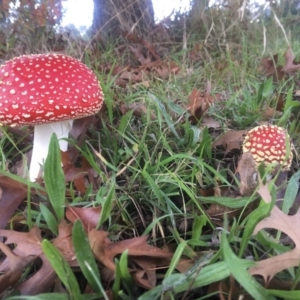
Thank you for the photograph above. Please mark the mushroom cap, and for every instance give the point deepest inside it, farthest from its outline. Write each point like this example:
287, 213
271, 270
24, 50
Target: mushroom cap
47, 88
267, 143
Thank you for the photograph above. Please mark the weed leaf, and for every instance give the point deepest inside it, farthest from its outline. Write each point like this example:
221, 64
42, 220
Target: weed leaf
54, 179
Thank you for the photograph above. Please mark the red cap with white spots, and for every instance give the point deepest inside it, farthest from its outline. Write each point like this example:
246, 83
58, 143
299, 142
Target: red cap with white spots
47, 88
267, 143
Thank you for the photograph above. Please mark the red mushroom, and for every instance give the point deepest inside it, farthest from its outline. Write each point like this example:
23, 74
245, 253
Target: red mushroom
268, 144
47, 91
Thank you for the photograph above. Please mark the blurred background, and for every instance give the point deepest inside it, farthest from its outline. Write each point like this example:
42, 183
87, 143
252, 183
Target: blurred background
50, 25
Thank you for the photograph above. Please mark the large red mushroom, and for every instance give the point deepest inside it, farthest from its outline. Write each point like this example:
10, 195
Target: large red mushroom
47, 91
269, 144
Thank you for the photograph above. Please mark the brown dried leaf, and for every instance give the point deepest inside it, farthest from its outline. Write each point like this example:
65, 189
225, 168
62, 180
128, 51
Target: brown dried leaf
15, 269
290, 225
146, 276
105, 250
270, 112
80, 126
230, 140
195, 54
139, 110
131, 36
138, 52
29, 244
12, 193
74, 173
290, 64
132, 75
63, 242
199, 103
166, 68
151, 49
271, 70
210, 122
89, 216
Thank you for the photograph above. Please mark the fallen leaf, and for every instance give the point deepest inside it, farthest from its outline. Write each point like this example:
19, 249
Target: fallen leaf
230, 140
271, 70
199, 103
76, 174
105, 250
290, 64
195, 54
146, 276
270, 112
29, 244
140, 55
17, 264
12, 194
138, 109
290, 225
89, 216
63, 242
210, 122
131, 36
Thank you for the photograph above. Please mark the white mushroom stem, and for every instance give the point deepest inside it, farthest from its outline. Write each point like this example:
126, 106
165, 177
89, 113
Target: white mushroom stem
41, 140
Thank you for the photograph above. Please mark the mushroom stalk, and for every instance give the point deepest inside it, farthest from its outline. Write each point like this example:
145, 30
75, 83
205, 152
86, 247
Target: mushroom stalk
41, 140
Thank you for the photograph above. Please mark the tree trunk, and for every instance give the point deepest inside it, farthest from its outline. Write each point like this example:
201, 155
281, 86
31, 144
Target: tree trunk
114, 17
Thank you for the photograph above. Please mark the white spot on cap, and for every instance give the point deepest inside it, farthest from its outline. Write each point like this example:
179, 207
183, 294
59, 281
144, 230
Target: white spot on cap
12, 91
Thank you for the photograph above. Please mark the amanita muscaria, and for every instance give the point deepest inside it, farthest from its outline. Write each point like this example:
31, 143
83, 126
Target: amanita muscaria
47, 91
269, 144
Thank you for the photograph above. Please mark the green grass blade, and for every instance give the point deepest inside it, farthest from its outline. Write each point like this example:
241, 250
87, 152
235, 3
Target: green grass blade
252, 220
49, 219
291, 192
86, 259
55, 179
241, 274
175, 259
286, 295
180, 282
62, 269
227, 201
124, 270
107, 205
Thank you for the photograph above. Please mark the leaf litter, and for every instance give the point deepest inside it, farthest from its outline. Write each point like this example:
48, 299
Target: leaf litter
287, 224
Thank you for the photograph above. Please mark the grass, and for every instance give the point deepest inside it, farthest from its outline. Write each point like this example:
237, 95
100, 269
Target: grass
153, 176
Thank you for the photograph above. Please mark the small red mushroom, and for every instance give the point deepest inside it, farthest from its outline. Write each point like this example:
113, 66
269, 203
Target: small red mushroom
268, 145
47, 91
